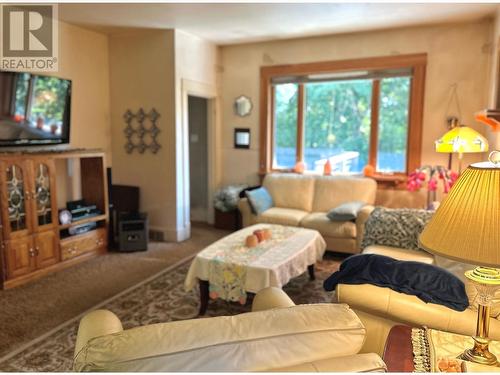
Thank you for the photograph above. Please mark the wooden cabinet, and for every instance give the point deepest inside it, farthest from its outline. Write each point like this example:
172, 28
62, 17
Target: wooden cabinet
34, 242
46, 249
19, 255
75, 246
15, 198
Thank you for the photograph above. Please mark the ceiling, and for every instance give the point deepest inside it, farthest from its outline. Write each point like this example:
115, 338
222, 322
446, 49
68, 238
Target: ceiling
230, 23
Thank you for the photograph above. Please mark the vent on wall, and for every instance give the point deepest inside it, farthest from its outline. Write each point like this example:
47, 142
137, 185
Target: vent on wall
156, 235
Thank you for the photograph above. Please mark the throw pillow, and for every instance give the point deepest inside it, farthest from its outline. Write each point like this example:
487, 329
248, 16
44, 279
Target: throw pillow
396, 227
260, 200
425, 281
346, 211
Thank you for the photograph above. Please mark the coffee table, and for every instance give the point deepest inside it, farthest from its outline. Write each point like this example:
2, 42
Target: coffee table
227, 269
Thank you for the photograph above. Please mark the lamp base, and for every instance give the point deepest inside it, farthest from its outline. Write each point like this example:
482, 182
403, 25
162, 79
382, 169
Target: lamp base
480, 353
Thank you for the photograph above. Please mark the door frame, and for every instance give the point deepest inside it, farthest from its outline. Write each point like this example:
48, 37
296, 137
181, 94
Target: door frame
209, 92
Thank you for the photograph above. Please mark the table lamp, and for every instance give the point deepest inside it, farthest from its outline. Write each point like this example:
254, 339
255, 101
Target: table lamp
466, 228
461, 139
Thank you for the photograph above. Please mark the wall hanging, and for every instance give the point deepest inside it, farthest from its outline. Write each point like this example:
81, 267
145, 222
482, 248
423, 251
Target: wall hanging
242, 106
141, 131
241, 138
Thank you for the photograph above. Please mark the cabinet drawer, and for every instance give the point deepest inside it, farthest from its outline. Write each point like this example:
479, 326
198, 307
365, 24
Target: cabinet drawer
77, 245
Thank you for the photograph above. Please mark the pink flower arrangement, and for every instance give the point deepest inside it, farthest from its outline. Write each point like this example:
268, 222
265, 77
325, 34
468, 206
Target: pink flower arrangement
430, 176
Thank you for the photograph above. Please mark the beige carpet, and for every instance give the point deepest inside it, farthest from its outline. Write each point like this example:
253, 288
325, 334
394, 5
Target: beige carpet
160, 299
28, 311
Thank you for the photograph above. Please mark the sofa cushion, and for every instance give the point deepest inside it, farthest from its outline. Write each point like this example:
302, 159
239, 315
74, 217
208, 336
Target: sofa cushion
290, 190
396, 227
320, 222
255, 341
366, 362
346, 211
283, 216
259, 200
401, 254
332, 191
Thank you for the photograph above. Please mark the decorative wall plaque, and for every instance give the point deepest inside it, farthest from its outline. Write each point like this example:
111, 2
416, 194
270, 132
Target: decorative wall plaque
141, 131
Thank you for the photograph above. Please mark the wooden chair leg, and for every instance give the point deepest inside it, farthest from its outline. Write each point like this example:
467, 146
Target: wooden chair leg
204, 296
310, 269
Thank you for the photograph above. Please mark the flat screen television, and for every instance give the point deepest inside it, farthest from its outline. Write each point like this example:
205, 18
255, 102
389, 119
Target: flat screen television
34, 109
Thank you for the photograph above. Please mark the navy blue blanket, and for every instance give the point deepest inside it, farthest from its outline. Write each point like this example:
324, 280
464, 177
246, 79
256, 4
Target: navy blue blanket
427, 282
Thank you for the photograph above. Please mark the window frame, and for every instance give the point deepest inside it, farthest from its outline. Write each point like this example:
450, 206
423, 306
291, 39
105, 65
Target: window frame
417, 62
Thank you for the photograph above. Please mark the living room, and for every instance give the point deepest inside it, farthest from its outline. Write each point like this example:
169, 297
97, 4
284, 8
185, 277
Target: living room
391, 102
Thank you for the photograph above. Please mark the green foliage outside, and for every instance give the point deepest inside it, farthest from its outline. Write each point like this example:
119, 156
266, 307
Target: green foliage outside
393, 123
286, 123
338, 118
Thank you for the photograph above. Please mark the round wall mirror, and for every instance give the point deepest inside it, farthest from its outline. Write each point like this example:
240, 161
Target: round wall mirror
242, 106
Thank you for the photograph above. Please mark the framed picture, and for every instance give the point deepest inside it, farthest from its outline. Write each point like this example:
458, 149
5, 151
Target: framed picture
241, 138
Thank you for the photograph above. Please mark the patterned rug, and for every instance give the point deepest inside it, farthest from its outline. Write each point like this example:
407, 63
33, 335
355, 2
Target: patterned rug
161, 298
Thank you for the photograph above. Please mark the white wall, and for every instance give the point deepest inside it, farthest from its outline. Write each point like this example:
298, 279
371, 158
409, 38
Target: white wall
456, 54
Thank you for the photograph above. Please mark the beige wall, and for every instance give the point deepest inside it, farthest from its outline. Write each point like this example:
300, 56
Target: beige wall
142, 75
83, 58
456, 54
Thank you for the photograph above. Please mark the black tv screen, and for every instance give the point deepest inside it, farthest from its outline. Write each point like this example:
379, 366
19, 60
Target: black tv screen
34, 109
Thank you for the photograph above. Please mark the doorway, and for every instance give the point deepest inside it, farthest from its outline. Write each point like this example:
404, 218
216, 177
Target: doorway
198, 157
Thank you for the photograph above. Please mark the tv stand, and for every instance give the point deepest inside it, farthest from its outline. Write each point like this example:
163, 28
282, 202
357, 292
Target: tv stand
33, 187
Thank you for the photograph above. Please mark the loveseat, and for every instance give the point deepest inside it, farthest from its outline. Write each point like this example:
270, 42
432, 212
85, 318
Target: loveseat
304, 200
276, 335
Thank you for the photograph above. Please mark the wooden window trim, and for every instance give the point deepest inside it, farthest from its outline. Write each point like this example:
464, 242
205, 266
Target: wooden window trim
417, 62
372, 156
300, 122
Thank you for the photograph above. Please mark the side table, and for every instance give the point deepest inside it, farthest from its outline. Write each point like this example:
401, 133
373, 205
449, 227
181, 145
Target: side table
398, 351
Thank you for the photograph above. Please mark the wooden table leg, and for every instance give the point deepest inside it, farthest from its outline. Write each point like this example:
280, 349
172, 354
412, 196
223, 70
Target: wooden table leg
204, 296
310, 269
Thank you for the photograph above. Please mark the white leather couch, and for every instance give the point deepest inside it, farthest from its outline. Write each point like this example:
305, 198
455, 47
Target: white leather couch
304, 200
276, 336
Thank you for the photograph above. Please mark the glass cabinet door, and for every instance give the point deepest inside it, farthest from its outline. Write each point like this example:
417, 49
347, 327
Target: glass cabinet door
16, 197
42, 194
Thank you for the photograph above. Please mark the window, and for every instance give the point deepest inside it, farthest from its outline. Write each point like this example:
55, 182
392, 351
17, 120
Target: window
285, 118
337, 125
352, 113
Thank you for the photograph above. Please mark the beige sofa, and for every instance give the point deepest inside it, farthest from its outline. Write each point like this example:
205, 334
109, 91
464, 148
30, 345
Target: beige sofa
277, 336
304, 200
381, 308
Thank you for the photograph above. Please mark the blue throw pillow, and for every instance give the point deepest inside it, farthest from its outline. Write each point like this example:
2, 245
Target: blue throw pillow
260, 200
427, 282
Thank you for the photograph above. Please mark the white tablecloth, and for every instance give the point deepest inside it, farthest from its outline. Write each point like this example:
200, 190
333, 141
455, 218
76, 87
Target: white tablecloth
272, 263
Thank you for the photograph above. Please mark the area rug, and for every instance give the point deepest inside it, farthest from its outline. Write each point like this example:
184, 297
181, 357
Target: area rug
161, 298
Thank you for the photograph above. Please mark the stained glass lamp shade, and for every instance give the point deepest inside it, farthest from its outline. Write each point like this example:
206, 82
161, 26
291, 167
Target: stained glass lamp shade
461, 139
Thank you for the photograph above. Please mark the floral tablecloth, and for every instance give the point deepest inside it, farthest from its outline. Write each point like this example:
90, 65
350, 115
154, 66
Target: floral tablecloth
434, 349
232, 269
